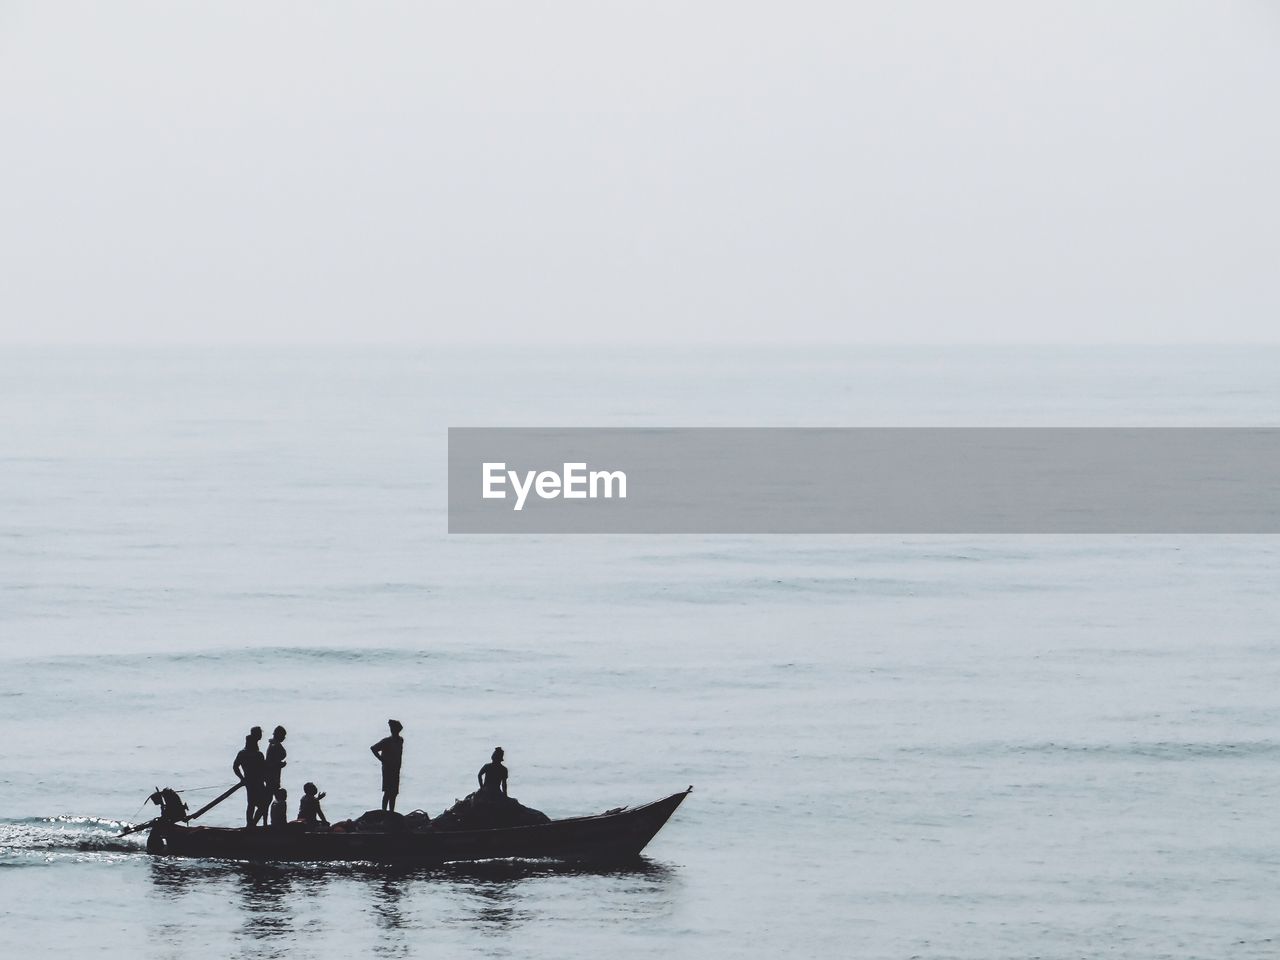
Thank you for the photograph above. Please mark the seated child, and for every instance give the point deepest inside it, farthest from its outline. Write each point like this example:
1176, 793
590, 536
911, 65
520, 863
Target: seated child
309, 807
280, 809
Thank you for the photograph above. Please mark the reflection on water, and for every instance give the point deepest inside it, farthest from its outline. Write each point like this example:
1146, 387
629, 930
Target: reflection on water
277, 909
264, 895
386, 893
493, 908
174, 875
270, 901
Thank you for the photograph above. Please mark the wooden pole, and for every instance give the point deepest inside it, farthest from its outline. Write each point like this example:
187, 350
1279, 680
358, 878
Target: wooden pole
138, 826
214, 802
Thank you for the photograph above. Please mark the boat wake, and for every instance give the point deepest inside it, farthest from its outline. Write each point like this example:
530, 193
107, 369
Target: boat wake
43, 839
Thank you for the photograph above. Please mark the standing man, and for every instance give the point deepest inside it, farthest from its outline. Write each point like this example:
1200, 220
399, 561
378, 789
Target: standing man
275, 760
251, 767
389, 750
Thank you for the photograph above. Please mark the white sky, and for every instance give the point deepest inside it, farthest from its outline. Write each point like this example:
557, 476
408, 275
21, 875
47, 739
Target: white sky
651, 171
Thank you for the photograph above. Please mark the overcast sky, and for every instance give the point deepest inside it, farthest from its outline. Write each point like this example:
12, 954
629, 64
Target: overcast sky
655, 171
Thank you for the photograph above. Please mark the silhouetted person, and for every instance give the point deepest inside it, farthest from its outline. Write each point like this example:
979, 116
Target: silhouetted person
389, 750
251, 767
275, 759
493, 778
280, 809
309, 806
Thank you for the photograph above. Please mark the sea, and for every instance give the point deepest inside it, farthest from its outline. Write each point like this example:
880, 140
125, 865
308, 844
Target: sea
971, 747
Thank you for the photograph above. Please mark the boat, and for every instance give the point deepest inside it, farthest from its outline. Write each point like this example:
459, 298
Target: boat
611, 837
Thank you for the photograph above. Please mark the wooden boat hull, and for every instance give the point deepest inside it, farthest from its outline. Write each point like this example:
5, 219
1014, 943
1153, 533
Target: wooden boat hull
609, 837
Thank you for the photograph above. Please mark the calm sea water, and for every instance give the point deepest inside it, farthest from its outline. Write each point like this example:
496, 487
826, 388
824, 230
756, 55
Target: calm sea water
934, 747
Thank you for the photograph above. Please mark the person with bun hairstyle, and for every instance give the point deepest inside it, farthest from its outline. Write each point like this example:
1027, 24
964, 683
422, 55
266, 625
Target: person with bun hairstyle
493, 778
